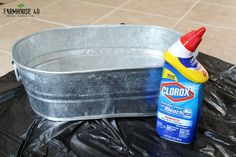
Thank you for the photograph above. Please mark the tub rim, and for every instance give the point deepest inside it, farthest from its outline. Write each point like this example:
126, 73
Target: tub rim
17, 64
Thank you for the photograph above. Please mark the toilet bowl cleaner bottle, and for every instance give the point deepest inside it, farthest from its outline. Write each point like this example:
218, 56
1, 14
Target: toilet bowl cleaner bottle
181, 90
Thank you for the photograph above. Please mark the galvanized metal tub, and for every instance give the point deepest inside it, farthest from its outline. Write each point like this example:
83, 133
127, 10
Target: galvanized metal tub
93, 72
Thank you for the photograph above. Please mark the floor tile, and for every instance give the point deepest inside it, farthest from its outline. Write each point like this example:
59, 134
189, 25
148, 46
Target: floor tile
230, 3
113, 3
6, 1
127, 17
171, 8
14, 31
29, 3
5, 20
5, 63
73, 12
216, 41
220, 16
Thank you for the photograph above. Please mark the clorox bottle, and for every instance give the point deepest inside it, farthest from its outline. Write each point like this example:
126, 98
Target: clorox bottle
181, 90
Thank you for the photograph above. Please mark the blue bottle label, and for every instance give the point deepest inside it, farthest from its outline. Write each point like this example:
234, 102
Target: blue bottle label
179, 107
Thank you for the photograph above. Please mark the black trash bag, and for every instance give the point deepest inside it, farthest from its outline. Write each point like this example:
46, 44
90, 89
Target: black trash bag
23, 133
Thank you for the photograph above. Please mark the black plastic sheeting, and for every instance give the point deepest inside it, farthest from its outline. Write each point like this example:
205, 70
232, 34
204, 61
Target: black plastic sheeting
23, 133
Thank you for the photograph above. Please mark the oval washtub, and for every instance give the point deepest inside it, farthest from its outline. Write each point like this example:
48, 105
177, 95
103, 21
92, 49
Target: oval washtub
93, 72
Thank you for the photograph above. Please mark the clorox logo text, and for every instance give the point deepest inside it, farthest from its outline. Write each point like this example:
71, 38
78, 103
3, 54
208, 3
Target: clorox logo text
176, 92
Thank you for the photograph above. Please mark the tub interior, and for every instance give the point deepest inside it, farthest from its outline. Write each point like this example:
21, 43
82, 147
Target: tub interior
94, 48
97, 59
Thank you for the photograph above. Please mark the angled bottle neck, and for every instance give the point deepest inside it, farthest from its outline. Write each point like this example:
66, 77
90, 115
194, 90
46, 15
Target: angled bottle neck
178, 50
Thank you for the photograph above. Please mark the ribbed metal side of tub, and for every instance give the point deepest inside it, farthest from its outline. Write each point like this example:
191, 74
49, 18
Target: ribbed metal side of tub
93, 95
120, 81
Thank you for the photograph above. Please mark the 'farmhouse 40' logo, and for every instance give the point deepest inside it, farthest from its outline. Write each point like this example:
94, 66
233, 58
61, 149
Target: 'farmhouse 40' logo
21, 11
176, 92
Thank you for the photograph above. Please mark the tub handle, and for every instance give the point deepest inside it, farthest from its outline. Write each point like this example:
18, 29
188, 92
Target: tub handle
16, 72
